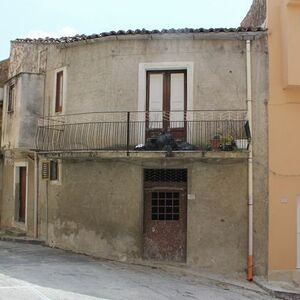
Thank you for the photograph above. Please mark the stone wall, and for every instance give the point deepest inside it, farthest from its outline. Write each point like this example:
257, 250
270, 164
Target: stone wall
4, 65
257, 14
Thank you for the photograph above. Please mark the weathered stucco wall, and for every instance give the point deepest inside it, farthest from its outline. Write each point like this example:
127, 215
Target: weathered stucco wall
32, 99
103, 76
256, 15
98, 209
27, 58
1, 184
260, 96
4, 65
19, 126
217, 218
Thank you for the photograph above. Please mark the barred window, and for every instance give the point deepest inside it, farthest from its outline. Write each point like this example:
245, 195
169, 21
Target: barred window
165, 206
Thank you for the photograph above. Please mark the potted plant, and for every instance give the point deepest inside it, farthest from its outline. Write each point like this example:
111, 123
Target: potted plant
228, 143
216, 141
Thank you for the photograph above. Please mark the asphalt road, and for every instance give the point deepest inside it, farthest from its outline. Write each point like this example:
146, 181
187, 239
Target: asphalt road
35, 272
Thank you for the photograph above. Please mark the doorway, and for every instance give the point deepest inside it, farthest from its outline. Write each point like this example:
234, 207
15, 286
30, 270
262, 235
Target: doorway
21, 192
165, 214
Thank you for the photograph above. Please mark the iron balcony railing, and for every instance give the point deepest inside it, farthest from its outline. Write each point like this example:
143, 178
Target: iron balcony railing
144, 131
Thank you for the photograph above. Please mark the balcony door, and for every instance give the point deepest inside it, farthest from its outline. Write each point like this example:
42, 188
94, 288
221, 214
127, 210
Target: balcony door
166, 98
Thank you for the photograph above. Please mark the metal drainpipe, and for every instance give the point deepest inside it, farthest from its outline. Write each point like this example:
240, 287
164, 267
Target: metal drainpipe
36, 193
250, 165
47, 190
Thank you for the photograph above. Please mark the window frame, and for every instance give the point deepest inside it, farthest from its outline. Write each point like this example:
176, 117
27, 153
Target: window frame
60, 90
163, 65
179, 65
57, 179
11, 96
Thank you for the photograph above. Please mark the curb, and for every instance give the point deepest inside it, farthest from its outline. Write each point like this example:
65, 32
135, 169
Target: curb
21, 240
215, 281
278, 294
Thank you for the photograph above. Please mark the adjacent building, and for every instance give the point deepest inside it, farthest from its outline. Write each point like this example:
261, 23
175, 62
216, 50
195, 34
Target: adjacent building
3, 78
284, 122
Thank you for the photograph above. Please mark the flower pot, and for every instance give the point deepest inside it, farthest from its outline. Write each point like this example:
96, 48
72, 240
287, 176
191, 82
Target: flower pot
215, 144
241, 144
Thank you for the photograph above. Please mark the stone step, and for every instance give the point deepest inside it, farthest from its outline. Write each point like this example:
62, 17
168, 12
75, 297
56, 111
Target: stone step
16, 232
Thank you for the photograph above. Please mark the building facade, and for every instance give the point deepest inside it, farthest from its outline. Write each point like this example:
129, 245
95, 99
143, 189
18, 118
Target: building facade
134, 145
284, 174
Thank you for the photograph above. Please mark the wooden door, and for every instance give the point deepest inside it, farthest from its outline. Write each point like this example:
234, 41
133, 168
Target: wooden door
166, 103
22, 193
165, 219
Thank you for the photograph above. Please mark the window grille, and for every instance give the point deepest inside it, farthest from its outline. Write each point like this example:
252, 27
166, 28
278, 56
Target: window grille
165, 175
165, 206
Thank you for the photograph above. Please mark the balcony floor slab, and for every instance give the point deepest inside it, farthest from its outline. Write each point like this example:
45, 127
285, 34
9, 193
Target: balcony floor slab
142, 155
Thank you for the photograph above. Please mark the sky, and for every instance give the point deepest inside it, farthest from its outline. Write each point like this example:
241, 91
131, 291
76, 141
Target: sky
56, 18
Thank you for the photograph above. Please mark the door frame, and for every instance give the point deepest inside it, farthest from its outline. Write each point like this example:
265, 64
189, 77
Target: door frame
166, 66
166, 101
16, 222
163, 65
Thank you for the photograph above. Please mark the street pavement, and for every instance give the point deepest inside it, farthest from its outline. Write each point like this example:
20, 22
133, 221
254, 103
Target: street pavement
36, 272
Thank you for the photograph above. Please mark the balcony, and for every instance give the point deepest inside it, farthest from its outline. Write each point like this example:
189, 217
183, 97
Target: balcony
136, 132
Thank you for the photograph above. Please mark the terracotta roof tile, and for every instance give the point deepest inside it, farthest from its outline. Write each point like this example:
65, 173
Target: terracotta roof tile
82, 37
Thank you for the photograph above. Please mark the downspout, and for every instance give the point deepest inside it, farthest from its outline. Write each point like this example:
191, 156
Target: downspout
36, 193
47, 190
250, 165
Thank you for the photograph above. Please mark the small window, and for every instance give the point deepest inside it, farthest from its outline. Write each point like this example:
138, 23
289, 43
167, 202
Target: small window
11, 98
54, 170
165, 206
59, 91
